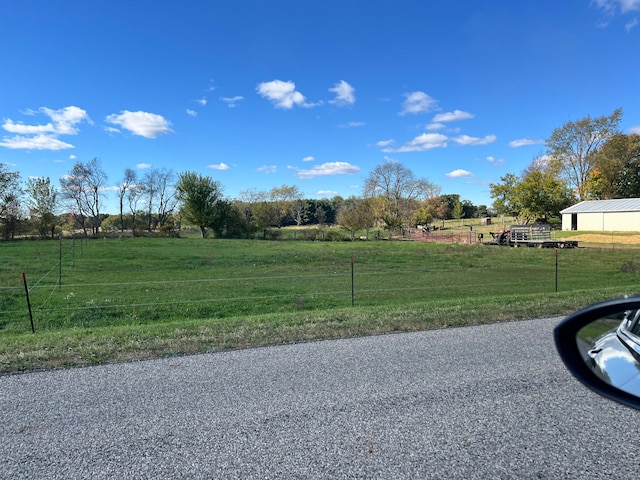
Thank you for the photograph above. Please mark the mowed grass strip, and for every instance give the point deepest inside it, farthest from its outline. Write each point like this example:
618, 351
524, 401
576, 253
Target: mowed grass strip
136, 298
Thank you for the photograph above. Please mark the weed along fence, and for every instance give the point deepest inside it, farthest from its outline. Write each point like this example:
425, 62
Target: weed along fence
108, 282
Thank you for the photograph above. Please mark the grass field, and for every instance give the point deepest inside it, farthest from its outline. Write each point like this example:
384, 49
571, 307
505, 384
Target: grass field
132, 298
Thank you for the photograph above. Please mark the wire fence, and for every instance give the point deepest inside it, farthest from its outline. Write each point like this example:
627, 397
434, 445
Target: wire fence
85, 290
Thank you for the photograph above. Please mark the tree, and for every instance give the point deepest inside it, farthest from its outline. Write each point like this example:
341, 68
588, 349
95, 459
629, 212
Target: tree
160, 196
356, 214
399, 190
574, 146
10, 207
506, 201
83, 191
128, 182
541, 194
617, 169
43, 203
198, 196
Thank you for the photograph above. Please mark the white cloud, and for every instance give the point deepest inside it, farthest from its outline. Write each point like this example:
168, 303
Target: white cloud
45, 137
23, 129
72, 157
283, 94
219, 166
352, 125
144, 124
385, 143
345, 96
418, 102
327, 193
202, 101
330, 168
635, 130
421, 143
611, 8
111, 130
454, 116
467, 140
308, 159
143, 166
435, 126
232, 101
37, 142
631, 24
460, 174
267, 169
193, 113
495, 161
523, 142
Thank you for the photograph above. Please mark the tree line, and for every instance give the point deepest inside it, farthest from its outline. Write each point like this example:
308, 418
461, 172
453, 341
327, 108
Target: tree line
588, 159
393, 198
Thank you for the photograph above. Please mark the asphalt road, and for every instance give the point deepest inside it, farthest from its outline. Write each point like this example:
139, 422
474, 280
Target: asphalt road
490, 401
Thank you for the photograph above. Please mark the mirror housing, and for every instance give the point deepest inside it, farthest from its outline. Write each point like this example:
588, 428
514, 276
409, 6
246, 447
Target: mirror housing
566, 334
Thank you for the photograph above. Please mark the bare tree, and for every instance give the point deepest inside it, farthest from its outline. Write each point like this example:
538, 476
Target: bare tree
398, 192
574, 146
128, 182
160, 195
83, 190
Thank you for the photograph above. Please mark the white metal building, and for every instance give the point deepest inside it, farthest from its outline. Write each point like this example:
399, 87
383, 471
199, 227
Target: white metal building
621, 215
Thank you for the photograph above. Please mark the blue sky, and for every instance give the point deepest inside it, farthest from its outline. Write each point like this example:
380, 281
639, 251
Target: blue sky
258, 94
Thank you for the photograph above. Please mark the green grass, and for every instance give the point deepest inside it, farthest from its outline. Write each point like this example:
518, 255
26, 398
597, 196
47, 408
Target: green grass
132, 298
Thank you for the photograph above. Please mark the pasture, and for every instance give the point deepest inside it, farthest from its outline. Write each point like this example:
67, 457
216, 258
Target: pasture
127, 298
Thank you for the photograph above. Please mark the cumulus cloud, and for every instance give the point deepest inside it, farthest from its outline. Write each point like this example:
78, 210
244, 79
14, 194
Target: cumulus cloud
326, 193
330, 168
144, 124
232, 101
467, 140
218, 166
417, 102
36, 142
193, 113
421, 143
635, 130
345, 94
459, 173
454, 116
45, 137
143, 166
283, 94
523, 142
308, 158
202, 101
267, 169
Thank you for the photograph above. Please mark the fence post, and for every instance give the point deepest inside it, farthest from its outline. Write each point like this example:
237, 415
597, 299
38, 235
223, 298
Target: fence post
353, 298
556, 270
60, 265
26, 289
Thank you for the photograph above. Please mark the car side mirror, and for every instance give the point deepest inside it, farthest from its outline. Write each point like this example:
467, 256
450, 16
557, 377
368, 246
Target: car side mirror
599, 346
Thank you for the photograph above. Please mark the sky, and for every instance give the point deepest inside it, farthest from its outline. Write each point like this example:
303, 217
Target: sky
258, 94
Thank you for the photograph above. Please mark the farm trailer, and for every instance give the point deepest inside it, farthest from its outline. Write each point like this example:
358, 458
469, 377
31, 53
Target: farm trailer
537, 235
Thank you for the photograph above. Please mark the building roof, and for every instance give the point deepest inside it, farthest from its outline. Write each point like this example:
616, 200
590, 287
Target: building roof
604, 206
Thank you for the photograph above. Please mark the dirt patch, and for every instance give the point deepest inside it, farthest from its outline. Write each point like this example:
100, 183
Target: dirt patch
608, 239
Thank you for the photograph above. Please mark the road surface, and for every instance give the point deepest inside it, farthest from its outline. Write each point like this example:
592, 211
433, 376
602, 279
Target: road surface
490, 401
